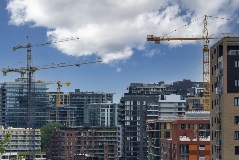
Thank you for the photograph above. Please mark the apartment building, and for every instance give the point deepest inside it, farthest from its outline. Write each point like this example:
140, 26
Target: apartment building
79, 99
14, 104
160, 130
190, 140
100, 114
19, 143
224, 96
83, 143
132, 116
171, 105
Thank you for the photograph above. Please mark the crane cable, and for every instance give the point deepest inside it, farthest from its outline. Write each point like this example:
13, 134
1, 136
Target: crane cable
228, 19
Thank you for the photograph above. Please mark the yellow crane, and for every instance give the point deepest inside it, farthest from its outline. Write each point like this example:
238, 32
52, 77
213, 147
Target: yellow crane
206, 69
58, 93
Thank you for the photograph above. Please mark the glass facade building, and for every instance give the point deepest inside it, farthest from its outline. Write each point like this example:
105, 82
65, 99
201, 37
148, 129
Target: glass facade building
14, 102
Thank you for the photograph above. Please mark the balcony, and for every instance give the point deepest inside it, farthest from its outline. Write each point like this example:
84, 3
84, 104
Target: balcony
219, 72
218, 128
219, 90
219, 142
218, 109
218, 155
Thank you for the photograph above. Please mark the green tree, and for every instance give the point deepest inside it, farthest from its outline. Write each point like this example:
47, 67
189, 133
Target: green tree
46, 132
7, 138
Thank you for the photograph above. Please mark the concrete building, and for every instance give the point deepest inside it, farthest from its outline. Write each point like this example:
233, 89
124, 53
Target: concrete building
195, 103
132, 115
14, 107
224, 96
19, 143
100, 115
79, 99
171, 105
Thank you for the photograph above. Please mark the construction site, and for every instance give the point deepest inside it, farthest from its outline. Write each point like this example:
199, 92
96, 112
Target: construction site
198, 120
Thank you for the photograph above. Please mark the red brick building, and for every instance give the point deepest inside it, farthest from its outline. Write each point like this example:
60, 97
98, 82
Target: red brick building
190, 140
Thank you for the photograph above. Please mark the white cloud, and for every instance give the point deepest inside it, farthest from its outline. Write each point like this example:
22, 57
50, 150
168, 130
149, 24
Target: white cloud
113, 29
152, 53
118, 69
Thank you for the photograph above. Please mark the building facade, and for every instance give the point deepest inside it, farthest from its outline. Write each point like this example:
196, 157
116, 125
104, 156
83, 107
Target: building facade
171, 105
79, 99
14, 104
83, 143
132, 116
190, 140
19, 141
224, 96
100, 114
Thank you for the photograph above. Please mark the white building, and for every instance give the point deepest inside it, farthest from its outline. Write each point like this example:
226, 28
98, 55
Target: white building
171, 105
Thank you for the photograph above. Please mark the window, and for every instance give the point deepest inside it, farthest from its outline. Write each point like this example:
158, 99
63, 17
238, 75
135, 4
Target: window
236, 135
236, 119
236, 63
236, 150
201, 157
236, 101
236, 83
184, 149
201, 147
183, 126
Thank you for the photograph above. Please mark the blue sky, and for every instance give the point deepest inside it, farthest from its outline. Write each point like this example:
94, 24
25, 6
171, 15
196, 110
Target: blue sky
115, 31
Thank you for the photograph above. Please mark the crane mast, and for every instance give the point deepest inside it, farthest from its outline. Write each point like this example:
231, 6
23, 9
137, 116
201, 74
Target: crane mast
206, 69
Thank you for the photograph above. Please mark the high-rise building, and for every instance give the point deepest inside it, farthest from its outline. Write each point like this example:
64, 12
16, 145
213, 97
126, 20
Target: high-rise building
14, 104
79, 99
132, 116
144, 102
224, 96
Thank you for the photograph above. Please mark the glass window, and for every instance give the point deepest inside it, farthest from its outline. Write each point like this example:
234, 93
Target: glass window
236, 101
236, 150
236, 120
201, 147
236, 135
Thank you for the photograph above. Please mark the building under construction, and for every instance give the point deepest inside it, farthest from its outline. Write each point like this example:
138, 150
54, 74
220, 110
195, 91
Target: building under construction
13, 104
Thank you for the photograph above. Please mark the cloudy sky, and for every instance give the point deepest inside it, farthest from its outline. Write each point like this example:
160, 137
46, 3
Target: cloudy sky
115, 31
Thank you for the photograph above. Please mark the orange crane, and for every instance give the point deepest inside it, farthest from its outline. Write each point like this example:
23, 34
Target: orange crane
206, 69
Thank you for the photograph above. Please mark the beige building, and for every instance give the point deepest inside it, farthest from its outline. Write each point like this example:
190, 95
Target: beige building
224, 97
19, 143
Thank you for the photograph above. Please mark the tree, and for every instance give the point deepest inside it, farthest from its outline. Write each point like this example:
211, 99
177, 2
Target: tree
46, 132
7, 138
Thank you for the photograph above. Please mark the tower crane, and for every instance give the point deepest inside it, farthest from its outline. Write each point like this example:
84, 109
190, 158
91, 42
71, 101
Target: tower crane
206, 69
30, 70
59, 85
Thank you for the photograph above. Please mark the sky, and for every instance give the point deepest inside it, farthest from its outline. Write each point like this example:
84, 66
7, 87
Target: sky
115, 31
